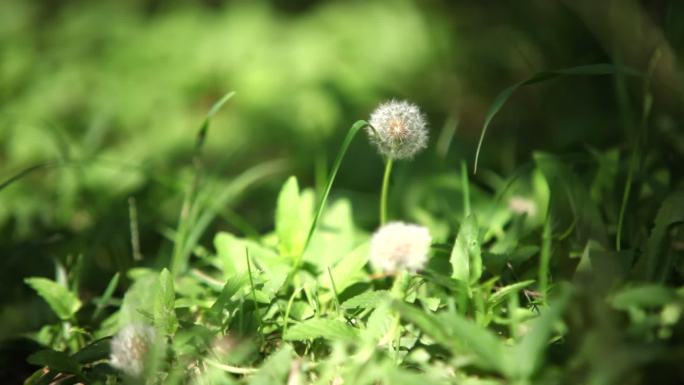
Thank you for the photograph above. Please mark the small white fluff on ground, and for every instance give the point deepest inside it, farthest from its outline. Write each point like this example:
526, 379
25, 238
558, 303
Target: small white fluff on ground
400, 246
129, 348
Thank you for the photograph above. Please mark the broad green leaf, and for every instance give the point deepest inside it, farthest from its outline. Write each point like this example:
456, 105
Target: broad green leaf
232, 286
501, 294
457, 334
348, 270
322, 328
95, 351
293, 218
657, 258
369, 299
379, 324
571, 205
56, 361
336, 227
643, 296
275, 369
63, 302
230, 254
526, 357
427, 322
477, 339
500, 100
466, 256
164, 304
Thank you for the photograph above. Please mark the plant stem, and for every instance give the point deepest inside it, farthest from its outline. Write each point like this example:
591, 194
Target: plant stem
385, 191
545, 258
465, 188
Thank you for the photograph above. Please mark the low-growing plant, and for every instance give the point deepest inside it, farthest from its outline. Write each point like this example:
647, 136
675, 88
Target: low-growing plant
520, 283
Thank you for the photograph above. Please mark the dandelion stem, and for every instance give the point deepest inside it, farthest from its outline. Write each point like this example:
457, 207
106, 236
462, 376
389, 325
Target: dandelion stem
385, 191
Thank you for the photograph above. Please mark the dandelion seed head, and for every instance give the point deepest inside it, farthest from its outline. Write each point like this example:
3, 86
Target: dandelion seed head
130, 346
399, 129
400, 246
521, 205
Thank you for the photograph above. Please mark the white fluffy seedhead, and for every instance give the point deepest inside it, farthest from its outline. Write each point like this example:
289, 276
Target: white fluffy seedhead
129, 348
522, 206
399, 129
400, 246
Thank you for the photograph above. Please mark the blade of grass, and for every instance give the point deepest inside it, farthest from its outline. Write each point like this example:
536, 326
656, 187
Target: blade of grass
355, 128
500, 100
636, 147
179, 257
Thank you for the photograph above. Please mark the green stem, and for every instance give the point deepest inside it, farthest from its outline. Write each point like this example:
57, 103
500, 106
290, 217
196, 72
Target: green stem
545, 258
398, 292
465, 188
625, 199
385, 191
251, 283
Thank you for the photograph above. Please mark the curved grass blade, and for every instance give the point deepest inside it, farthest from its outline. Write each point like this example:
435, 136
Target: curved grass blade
593, 69
355, 128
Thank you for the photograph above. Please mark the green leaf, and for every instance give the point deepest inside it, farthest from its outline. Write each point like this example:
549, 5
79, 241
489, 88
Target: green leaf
457, 334
232, 286
571, 205
656, 257
379, 324
275, 369
500, 100
366, 300
164, 304
63, 302
348, 270
466, 255
527, 356
477, 339
56, 361
643, 296
322, 328
95, 351
501, 294
427, 322
336, 227
293, 213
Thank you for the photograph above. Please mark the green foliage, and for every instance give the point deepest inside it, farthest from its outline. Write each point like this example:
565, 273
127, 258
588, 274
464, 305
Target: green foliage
559, 262
466, 258
63, 302
164, 301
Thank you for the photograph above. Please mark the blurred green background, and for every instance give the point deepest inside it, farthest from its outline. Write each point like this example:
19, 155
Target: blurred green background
100, 102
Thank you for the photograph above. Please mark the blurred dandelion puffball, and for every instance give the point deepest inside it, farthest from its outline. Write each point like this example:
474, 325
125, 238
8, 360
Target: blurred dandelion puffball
129, 348
522, 206
398, 129
400, 246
